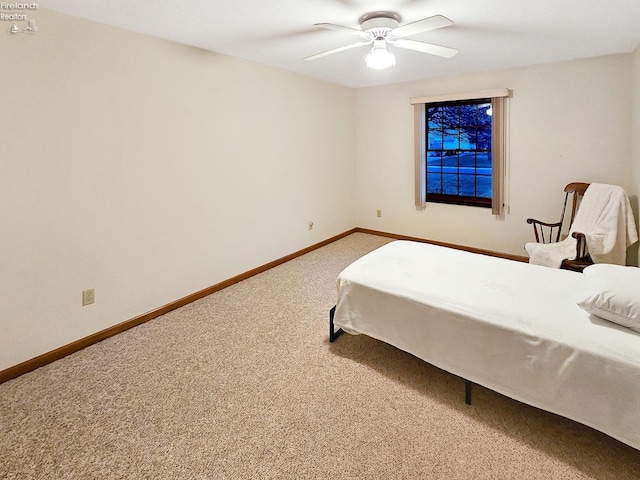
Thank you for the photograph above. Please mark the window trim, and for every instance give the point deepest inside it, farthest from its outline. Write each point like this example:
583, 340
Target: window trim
499, 143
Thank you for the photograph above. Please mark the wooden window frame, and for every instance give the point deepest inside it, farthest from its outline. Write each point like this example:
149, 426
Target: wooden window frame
473, 201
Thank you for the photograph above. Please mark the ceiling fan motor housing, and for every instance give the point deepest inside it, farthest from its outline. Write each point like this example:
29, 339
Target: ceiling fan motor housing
379, 27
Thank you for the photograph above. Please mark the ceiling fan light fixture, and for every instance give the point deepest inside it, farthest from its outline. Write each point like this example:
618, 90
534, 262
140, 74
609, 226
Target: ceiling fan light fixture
380, 57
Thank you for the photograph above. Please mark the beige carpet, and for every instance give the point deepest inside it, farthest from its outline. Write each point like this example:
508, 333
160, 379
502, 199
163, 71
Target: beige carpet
244, 384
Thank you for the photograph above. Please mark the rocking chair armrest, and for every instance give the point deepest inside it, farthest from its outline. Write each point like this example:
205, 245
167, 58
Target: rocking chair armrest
544, 230
545, 224
581, 245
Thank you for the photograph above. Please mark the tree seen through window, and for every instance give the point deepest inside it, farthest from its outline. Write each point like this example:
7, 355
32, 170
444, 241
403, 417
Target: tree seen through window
459, 152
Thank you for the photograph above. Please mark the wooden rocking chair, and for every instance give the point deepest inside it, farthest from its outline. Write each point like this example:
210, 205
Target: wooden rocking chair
546, 232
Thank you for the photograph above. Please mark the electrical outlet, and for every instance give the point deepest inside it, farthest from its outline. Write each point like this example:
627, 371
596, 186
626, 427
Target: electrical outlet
88, 297
310, 225
379, 213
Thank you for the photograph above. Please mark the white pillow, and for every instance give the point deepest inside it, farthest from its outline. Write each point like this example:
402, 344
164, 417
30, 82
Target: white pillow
613, 293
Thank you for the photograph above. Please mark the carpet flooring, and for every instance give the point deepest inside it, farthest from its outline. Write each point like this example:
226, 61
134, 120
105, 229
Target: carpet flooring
244, 384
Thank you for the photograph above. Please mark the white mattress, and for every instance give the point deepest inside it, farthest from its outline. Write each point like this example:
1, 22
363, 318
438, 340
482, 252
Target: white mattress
510, 326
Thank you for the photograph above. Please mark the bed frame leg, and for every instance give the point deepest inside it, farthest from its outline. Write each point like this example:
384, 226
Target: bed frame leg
333, 334
467, 391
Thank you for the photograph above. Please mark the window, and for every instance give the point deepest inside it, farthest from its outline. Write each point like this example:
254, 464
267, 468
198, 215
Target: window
458, 152
460, 149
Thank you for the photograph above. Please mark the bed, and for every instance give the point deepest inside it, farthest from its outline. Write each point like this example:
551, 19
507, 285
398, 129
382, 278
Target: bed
510, 326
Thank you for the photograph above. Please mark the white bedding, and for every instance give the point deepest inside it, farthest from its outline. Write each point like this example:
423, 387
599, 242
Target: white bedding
512, 327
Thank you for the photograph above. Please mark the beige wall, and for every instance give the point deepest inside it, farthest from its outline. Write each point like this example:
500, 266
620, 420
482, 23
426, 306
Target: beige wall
568, 121
148, 171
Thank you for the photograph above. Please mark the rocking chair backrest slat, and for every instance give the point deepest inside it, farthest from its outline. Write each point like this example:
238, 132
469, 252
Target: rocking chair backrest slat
576, 189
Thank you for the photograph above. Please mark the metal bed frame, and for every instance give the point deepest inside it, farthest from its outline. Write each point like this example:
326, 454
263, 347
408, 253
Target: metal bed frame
334, 334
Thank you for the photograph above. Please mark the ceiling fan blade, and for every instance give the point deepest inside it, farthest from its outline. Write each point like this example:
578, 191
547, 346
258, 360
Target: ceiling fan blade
423, 47
424, 25
337, 50
340, 28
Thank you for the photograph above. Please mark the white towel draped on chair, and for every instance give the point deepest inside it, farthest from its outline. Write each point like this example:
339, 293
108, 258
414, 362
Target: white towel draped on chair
606, 219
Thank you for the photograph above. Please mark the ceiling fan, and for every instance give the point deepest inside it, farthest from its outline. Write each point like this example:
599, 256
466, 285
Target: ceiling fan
383, 29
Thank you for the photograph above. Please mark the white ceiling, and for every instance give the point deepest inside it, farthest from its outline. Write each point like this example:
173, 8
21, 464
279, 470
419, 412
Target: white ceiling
490, 34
